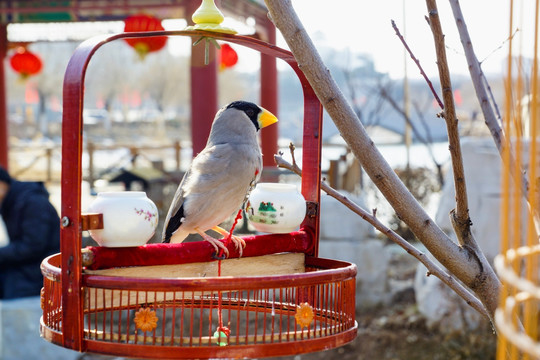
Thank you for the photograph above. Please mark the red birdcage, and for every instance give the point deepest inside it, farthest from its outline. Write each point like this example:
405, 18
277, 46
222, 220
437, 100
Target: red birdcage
89, 304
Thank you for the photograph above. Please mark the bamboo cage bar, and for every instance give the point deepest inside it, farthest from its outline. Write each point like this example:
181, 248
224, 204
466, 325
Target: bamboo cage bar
517, 318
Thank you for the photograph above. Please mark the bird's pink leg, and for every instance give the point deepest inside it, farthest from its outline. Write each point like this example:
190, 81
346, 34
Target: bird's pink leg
217, 244
239, 243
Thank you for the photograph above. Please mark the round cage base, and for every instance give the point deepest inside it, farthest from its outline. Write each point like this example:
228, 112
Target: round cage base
235, 317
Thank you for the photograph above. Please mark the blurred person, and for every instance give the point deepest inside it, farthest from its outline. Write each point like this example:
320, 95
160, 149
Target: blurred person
33, 228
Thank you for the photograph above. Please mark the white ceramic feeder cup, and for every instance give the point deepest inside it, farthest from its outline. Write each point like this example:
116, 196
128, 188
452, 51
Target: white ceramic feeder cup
276, 208
130, 218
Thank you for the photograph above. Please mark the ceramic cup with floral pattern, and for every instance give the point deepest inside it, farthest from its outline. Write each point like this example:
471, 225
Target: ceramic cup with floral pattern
130, 218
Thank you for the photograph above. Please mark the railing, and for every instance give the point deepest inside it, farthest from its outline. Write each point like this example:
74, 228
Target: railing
43, 162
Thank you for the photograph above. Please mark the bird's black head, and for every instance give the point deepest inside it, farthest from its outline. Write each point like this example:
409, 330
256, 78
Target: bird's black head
252, 110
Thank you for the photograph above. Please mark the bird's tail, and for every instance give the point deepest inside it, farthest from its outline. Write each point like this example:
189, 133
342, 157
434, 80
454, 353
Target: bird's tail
176, 237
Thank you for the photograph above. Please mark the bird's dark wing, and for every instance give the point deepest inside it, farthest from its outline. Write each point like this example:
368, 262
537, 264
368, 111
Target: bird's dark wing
174, 223
175, 213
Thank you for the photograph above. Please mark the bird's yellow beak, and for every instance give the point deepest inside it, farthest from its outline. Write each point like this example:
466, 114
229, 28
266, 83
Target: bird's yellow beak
266, 118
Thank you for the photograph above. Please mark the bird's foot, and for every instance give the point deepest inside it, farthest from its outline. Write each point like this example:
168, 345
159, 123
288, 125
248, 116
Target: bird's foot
239, 243
217, 244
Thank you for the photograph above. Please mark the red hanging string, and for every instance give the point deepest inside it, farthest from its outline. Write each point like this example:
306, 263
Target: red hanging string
227, 242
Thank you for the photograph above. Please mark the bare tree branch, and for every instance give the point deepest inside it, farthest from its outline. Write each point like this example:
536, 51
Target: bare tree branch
417, 62
432, 267
464, 262
426, 141
460, 216
481, 87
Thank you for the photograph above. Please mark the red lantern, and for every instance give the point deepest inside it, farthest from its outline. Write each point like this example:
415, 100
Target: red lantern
227, 57
142, 22
25, 62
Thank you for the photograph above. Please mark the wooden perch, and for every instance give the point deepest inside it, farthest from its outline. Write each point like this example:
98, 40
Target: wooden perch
98, 258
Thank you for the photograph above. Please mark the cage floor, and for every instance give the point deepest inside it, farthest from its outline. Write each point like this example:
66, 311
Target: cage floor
178, 318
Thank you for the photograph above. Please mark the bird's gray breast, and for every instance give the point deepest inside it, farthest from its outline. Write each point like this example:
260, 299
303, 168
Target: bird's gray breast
219, 179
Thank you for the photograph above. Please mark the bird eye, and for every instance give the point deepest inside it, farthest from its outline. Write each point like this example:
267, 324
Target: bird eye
250, 112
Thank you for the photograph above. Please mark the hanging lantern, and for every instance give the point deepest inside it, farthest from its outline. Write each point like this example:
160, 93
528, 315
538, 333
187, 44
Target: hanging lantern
25, 62
227, 57
142, 22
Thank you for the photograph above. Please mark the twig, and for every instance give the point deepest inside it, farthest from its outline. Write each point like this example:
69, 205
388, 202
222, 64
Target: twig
417, 62
426, 141
498, 47
432, 267
478, 78
423, 121
491, 97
